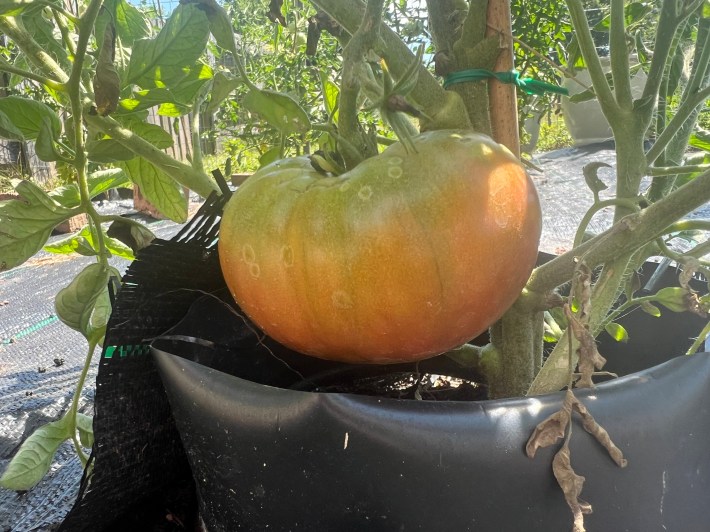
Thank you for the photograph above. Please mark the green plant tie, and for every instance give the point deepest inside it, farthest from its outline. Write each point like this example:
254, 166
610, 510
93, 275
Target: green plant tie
529, 85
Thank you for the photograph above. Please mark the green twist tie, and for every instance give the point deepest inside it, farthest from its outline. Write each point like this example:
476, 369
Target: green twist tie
529, 85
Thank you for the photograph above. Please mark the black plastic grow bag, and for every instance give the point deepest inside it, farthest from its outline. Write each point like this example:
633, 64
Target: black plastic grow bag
141, 473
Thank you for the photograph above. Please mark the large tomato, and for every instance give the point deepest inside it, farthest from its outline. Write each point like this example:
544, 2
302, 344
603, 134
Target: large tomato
405, 256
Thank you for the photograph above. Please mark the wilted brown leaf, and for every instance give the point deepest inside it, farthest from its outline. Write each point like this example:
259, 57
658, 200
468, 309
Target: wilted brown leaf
107, 87
552, 428
571, 484
600, 433
589, 358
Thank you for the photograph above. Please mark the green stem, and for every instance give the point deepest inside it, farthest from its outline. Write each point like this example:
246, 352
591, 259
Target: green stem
624, 237
75, 400
7, 67
363, 40
591, 58
656, 171
33, 51
684, 111
445, 109
73, 85
579, 235
700, 340
182, 173
619, 52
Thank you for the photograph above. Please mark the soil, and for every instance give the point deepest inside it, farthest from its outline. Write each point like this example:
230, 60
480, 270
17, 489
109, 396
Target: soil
406, 385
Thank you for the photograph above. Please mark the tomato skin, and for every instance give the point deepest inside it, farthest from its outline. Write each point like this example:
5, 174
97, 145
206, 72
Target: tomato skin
404, 257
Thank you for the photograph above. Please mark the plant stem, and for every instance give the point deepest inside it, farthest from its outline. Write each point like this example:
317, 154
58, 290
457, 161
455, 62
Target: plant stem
445, 109
656, 171
682, 114
75, 400
631, 233
33, 51
700, 340
73, 85
363, 40
579, 235
11, 69
619, 55
182, 173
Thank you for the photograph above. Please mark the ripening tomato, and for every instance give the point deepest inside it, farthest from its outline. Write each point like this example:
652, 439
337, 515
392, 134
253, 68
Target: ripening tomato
404, 257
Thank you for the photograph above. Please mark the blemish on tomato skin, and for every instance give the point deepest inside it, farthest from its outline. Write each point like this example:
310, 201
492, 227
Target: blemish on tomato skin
365, 193
287, 256
248, 254
342, 300
254, 270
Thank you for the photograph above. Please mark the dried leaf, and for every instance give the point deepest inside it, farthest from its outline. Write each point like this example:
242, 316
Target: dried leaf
582, 290
106, 81
552, 428
601, 435
690, 266
571, 484
589, 358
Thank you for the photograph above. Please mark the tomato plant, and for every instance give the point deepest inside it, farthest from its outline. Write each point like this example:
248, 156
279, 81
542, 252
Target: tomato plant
407, 255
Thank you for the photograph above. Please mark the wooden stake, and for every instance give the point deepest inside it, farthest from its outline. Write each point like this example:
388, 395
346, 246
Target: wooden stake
503, 98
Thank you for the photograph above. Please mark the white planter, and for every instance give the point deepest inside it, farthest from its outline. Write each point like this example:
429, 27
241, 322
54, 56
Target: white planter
585, 121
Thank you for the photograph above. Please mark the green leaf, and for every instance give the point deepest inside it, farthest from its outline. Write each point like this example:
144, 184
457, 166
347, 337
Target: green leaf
76, 243
27, 116
617, 332
98, 182
673, 298
34, 458
45, 34
701, 140
220, 24
25, 225
108, 151
180, 93
634, 13
130, 23
331, 93
279, 110
270, 156
8, 130
12, 8
650, 308
46, 147
86, 243
75, 304
85, 427
222, 86
179, 44
158, 188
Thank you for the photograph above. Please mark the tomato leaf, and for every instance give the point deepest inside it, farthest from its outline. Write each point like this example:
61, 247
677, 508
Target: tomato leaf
85, 428
76, 303
673, 298
222, 86
617, 332
27, 223
279, 110
27, 116
99, 182
130, 23
34, 457
700, 140
179, 44
158, 188
650, 308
